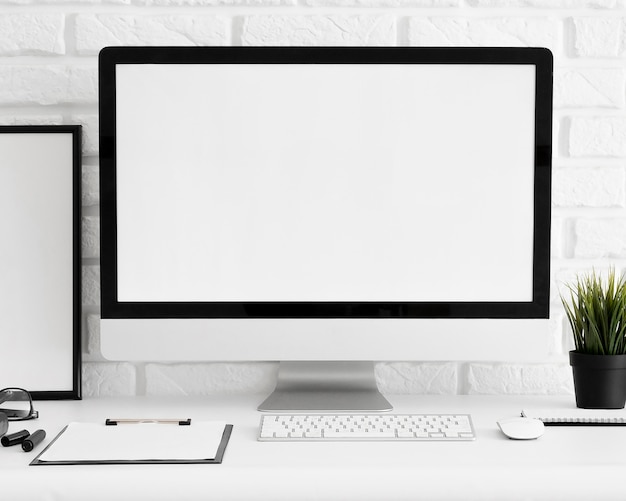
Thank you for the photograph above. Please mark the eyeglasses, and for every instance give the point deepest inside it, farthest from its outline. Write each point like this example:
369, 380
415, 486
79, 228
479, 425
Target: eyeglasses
4, 423
17, 404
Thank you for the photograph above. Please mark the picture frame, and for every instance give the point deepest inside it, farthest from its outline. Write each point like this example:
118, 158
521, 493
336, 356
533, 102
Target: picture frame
40, 259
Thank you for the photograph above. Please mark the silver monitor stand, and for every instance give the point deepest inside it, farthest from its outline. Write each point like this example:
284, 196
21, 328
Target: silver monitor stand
326, 386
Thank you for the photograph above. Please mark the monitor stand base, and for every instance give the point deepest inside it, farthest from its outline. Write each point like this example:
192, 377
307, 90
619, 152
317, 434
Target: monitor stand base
326, 387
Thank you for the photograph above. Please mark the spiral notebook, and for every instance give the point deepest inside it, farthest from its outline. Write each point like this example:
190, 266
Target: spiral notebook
566, 416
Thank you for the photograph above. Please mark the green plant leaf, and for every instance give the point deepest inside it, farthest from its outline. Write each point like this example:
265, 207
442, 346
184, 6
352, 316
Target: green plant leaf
596, 312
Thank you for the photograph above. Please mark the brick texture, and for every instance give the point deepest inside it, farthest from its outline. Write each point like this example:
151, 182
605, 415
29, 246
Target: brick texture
488, 32
494, 379
598, 136
32, 34
592, 88
90, 186
102, 379
598, 37
549, 4
409, 378
207, 379
93, 32
319, 30
589, 187
48, 85
90, 237
600, 237
91, 285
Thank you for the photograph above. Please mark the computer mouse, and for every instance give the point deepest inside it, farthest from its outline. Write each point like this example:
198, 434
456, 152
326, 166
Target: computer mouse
521, 428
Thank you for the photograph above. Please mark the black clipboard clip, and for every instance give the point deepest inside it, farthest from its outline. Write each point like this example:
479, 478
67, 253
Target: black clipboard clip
179, 422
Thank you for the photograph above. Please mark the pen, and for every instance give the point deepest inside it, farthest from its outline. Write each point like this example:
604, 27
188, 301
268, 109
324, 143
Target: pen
14, 438
29, 443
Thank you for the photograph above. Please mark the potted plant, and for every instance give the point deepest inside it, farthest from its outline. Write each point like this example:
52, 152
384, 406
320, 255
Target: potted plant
596, 311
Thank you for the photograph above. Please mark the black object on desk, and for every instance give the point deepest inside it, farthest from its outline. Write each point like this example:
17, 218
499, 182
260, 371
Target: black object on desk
180, 422
30, 442
14, 438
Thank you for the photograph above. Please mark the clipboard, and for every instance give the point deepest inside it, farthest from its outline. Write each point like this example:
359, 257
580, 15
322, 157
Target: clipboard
144, 441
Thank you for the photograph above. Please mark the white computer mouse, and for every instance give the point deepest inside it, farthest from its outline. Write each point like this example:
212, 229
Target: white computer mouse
521, 428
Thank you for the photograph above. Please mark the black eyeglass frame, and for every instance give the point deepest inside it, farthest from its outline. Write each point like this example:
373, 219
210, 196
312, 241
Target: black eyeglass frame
17, 414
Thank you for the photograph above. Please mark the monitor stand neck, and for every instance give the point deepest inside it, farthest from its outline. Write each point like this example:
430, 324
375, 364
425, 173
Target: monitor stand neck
326, 386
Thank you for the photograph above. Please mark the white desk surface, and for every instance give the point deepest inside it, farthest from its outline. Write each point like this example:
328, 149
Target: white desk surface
566, 463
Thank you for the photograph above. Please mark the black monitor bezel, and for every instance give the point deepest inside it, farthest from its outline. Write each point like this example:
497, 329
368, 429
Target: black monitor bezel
539, 57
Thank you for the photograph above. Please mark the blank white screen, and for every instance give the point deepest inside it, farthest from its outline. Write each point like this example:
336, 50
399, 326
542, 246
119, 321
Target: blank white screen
325, 182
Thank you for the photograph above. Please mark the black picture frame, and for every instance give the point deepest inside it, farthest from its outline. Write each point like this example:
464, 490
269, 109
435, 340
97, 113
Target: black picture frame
43, 220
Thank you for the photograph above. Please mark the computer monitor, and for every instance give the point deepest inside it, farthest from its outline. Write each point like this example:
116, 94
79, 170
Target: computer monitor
325, 208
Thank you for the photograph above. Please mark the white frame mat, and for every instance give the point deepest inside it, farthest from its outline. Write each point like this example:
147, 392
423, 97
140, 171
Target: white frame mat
40, 176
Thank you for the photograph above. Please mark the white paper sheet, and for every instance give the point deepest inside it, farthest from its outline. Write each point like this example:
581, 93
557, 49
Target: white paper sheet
135, 442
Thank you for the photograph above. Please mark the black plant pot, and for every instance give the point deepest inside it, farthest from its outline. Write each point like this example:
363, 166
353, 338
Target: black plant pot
599, 380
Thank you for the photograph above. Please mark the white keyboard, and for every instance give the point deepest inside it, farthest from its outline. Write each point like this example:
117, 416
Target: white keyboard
360, 427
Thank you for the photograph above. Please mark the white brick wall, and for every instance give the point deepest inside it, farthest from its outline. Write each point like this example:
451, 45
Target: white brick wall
597, 136
48, 74
319, 30
487, 32
95, 31
589, 87
598, 36
32, 34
